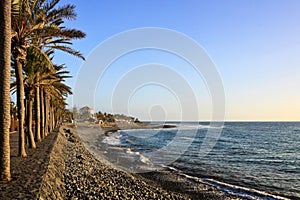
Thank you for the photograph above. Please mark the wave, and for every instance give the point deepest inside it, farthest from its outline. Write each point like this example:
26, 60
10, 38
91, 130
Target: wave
118, 140
252, 155
113, 139
139, 156
238, 191
242, 192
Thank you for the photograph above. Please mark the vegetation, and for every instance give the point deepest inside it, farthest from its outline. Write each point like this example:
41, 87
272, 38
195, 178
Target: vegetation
5, 48
106, 117
34, 30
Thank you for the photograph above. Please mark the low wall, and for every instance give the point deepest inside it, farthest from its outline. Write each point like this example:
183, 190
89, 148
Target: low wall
53, 186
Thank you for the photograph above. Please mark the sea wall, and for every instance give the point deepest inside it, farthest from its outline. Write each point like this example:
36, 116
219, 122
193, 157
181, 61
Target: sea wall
53, 186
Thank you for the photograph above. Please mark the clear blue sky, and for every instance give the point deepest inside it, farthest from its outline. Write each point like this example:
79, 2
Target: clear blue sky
255, 45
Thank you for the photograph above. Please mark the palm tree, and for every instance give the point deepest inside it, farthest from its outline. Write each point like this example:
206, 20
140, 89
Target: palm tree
19, 47
13, 115
41, 77
42, 113
54, 97
36, 76
39, 25
29, 86
29, 96
5, 49
29, 103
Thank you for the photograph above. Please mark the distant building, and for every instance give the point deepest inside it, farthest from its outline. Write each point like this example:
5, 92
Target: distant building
86, 112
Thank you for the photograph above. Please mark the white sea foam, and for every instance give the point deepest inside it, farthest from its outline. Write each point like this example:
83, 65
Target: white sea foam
139, 156
130, 141
113, 140
186, 138
145, 160
242, 192
236, 141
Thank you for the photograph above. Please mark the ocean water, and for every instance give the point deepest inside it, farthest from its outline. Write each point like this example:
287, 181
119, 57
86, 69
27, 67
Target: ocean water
254, 159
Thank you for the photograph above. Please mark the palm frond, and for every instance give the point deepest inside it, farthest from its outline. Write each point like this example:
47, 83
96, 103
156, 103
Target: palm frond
68, 50
64, 12
71, 33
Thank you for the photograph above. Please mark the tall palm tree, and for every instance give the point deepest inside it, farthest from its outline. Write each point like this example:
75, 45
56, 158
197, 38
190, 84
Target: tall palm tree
29, 103
42, 76
39, 25
42, 113
29, 86
36, 75
19, 44
13, 115
5, 49
54, 97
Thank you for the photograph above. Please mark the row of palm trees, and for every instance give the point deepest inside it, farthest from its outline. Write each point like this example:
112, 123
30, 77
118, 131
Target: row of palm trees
36, 31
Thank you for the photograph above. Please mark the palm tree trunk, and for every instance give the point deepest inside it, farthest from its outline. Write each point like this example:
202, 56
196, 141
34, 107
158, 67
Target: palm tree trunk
26, 120
21, 108
53, 118
29, 121
50, 117
51, 121
5, 49
46, 104
37, 115
12, 123
42, 109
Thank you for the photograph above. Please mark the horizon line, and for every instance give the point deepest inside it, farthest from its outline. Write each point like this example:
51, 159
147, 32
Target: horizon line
220, 121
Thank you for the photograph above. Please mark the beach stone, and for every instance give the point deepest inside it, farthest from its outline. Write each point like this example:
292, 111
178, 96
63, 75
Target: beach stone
74, 173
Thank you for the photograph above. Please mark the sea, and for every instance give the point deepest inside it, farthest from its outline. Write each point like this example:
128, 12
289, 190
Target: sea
252, 160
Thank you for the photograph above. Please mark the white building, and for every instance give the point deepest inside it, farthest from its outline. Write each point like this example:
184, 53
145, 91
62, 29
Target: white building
86, 112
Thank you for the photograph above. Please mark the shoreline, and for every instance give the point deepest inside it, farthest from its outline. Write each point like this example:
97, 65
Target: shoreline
127, 126
160, 180
194, 186
87, 177
63, 167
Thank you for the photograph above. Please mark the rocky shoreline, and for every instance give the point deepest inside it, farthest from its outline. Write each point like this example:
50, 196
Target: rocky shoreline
88, 178
62, 168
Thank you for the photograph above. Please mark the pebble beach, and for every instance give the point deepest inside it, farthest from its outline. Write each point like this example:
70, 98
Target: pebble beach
62, 168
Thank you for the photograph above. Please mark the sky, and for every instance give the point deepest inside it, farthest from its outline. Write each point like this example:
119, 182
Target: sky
254, 45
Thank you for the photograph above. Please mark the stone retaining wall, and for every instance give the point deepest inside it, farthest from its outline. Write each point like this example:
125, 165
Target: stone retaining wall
53, 186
